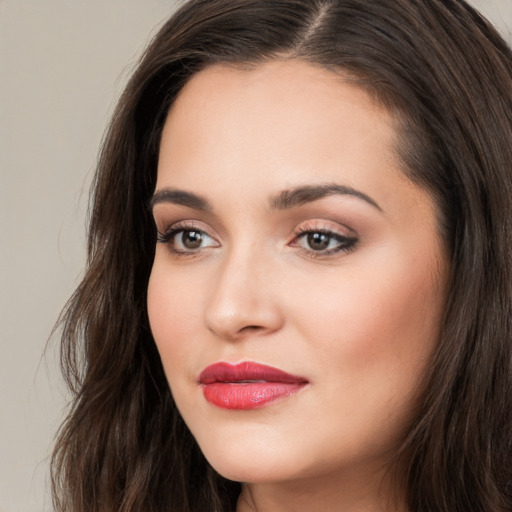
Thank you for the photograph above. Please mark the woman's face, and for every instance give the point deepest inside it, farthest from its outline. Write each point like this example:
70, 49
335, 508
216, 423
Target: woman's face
291, 239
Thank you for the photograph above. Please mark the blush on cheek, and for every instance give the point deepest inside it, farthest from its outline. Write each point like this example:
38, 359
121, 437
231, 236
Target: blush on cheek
383, 319
163, 311
166, 308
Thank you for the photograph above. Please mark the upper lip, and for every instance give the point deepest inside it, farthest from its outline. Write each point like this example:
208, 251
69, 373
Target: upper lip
246, 371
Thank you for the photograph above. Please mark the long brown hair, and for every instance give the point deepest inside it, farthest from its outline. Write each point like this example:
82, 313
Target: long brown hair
446, 75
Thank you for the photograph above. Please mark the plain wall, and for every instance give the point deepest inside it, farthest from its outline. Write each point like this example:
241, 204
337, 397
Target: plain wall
62, 64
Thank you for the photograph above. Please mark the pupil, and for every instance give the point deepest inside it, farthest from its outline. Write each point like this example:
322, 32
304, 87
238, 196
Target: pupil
191, 239
318, 241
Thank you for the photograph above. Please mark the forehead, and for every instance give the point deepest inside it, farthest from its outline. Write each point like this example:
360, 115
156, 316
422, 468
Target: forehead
297, 88
279, 115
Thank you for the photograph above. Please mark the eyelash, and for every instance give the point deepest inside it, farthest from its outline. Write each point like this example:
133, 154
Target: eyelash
346, 243
167, 238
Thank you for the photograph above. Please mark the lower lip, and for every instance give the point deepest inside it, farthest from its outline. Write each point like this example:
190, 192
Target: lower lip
250, 395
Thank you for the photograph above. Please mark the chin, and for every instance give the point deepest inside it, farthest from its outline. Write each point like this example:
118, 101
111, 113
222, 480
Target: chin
254, 459
250, 470
239, 471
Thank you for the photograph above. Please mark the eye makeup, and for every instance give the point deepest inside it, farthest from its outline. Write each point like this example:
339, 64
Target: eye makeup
322, 242
313, 239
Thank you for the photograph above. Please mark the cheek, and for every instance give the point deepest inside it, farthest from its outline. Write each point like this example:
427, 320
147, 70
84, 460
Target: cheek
173, 310
372, 337
377, 316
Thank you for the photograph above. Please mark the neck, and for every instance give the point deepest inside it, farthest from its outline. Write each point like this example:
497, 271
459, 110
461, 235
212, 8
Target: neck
350, 493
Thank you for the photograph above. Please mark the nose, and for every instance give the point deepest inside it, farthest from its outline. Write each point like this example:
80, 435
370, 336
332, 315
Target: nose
244, 299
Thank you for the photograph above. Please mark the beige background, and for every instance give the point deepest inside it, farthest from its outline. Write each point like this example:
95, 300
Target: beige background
62, 64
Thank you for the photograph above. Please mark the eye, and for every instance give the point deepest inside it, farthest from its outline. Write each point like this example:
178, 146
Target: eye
186, 240
323, 242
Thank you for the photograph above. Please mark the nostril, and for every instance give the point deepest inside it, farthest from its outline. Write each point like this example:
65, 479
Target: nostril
251, 328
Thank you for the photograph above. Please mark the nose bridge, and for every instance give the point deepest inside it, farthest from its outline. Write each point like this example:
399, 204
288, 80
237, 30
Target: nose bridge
242, 298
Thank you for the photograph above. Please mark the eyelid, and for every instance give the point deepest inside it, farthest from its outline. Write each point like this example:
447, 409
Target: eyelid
325, 225
186, 225
346, 241
166, 236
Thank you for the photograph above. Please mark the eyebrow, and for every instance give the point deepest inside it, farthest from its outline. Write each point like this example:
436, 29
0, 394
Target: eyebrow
284, 200
309, 193
181, 197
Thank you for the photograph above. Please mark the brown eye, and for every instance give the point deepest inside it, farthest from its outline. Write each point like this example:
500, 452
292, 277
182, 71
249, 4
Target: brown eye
323, 242
191, 239
318, 241
186, 241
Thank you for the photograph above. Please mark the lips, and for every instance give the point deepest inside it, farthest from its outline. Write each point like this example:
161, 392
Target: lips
247, 385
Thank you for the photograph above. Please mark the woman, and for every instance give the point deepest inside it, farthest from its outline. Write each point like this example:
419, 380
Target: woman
298, 293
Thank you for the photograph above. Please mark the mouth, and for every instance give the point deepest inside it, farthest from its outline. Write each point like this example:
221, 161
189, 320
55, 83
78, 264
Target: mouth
247, 385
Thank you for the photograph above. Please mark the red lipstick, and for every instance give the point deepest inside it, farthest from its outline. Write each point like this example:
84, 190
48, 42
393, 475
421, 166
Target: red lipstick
247, 385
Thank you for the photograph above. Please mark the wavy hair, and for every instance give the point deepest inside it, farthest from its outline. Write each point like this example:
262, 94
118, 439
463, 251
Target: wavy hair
446, 75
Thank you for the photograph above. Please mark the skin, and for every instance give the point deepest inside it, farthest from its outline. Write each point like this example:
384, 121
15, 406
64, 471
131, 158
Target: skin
361, 324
